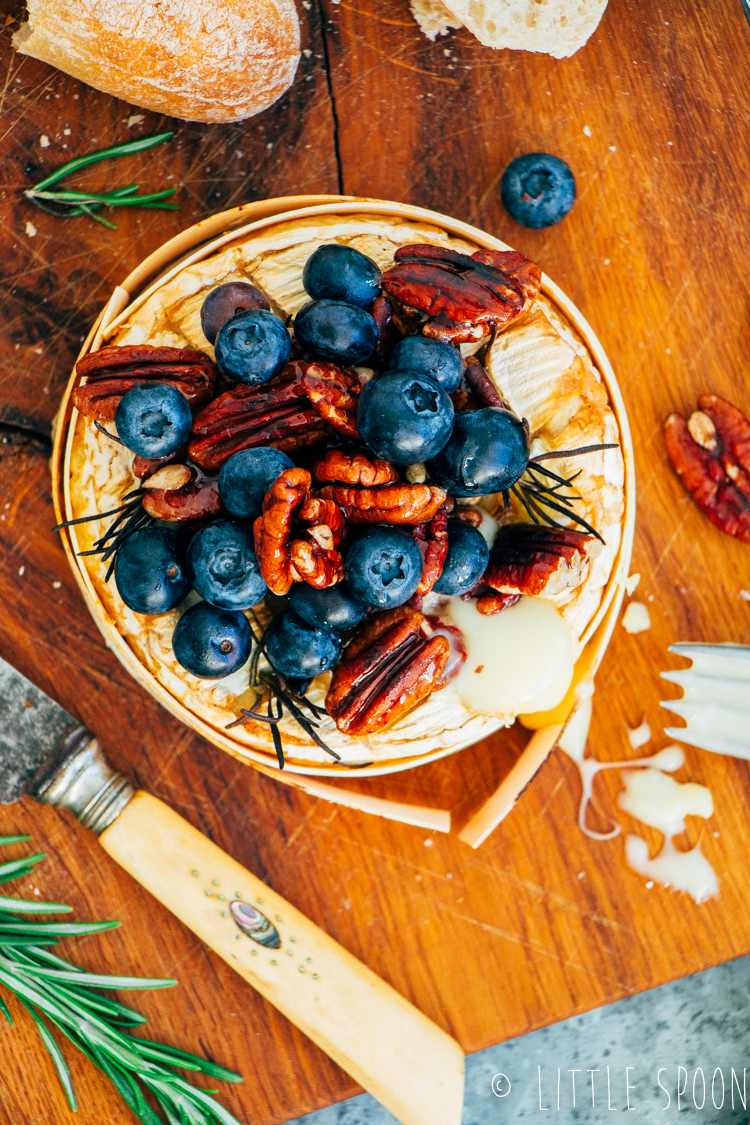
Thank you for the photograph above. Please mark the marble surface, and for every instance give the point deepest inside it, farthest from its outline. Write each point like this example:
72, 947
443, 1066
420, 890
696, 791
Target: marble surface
673, 1034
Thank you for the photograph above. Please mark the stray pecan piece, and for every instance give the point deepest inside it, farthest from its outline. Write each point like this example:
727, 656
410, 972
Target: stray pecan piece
286, 556
112, 371
432, 540
711, 453
192, 501
387, 669
467, 297
334, 393
277, 413
353, 468
496, 603
480, 384
393, 503
533, 559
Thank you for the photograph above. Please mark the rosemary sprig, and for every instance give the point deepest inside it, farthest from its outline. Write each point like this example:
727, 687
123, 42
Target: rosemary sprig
66, 204
57, 992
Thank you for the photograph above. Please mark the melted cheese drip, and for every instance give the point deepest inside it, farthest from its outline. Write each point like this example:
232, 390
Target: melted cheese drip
519, 660
655, 799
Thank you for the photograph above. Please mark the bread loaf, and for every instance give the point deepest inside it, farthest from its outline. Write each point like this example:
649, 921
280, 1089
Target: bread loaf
200, 60
554, 27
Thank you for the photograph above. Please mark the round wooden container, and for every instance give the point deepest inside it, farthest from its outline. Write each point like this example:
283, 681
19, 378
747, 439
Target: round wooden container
204, 239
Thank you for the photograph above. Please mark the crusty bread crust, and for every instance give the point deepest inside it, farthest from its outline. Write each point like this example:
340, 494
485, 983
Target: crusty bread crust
200, 60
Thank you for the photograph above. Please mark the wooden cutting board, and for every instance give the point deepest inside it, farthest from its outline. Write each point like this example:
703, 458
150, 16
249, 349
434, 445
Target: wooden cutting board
540, 923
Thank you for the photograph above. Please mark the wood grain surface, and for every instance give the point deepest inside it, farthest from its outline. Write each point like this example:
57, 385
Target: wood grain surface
540, 923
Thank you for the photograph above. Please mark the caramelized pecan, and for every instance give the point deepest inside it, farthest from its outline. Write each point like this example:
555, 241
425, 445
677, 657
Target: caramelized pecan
286, 556
313, 551
387, 669
193, 501
432, 539
480, 384
711, 453
466, 296
112, 371
389, 332
353, 468
393, 503
146, 466
496, 603
532, 559
334, 393
278, 414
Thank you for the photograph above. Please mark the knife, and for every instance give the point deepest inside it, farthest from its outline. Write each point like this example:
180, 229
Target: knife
400, 1056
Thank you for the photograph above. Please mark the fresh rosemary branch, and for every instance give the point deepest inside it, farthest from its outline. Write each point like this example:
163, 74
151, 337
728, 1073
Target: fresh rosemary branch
70, 203
64, 995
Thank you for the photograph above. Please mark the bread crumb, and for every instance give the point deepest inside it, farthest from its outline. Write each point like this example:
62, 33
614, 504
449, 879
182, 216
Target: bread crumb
639, 736
631, 583
135, 119
587, 130
745, 595
56, 585
21, 569
636, 618
613, 148
30, 228
44, 141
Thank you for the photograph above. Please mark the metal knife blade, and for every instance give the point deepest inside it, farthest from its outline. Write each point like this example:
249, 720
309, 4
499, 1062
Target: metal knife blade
34, 730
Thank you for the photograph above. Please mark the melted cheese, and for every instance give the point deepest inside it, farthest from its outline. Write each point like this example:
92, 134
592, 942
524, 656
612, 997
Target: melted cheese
517, 660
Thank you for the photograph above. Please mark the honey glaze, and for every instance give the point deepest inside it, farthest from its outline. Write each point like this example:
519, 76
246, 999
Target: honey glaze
655, 799
519, 660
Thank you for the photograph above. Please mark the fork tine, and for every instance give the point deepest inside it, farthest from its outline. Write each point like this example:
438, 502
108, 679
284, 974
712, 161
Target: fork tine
716, 698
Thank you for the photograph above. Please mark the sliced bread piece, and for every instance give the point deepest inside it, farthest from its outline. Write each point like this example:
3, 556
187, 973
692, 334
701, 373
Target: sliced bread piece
433, 17
555, 27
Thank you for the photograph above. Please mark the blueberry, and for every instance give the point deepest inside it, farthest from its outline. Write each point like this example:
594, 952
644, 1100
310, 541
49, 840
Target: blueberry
222, 565
150, 572
341, 273
488, 451
154, 419
253, 347
441, 362
247, 476
335, 331
404, 418
333, 608
383, 567
299, 650
538, 189
227, 301
211, 642
466, 561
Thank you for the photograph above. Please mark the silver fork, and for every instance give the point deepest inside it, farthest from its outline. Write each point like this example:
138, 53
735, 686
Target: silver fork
716, 699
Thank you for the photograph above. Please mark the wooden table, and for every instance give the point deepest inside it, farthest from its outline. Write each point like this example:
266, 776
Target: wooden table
540, 923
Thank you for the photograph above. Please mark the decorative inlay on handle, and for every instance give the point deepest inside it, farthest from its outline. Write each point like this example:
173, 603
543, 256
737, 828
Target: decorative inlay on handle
255, 924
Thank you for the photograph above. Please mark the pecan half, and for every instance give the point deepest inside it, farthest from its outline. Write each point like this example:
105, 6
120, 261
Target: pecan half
277, 413
353, 468
532, 559
389, 332
112, 371
334, 393
432, 539
393, 503
711, 453
310, 556
466, 296
387, 669
193, 501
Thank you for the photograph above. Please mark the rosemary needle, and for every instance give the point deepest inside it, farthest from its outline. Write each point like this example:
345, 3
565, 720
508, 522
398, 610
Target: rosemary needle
72, 203
57, 992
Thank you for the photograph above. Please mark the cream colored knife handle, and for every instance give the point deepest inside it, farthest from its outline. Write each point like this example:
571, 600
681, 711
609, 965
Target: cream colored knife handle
398, 1055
